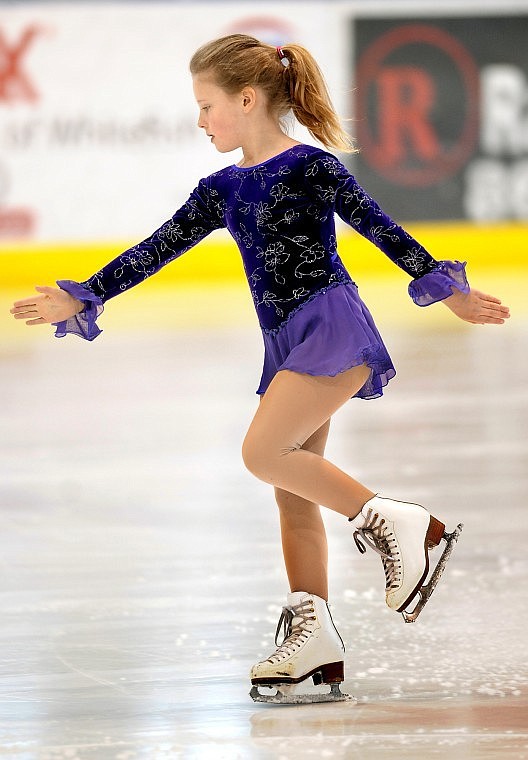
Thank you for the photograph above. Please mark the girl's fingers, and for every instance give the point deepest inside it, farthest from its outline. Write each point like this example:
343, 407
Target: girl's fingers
491, 319
500, 314
38, 321
32, 300
28, 302
486, 297
46, 289
29, 309
491, 310
493, 303
25, 313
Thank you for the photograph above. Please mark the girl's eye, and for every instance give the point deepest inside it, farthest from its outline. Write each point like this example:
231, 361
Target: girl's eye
205, 108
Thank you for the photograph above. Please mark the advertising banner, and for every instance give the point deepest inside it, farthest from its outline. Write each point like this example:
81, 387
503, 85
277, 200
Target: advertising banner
441, 110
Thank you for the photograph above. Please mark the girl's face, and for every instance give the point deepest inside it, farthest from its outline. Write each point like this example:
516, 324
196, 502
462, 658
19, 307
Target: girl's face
221, 114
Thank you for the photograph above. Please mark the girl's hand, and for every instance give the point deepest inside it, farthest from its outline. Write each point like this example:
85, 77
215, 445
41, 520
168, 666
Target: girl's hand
477, 308
53, 305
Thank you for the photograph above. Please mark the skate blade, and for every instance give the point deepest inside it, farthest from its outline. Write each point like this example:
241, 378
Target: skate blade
426, 590
291, 694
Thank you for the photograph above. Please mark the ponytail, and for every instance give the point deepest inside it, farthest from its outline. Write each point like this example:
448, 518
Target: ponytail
310, 100
289, 76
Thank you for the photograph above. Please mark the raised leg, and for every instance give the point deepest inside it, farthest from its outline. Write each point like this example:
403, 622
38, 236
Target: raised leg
293, 408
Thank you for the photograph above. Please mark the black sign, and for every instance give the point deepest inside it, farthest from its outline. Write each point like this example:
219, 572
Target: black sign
441, 116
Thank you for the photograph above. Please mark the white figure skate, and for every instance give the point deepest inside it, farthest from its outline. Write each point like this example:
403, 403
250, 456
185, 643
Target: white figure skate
403, 533
311, 648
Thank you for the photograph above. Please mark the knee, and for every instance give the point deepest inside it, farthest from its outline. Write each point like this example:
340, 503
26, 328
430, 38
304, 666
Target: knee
263, 458
254, 456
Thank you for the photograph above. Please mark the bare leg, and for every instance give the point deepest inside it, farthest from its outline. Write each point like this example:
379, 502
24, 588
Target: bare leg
292, 409
303, 533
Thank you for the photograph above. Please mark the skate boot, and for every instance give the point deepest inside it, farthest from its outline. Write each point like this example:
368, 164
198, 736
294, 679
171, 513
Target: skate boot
403, 533
311, 648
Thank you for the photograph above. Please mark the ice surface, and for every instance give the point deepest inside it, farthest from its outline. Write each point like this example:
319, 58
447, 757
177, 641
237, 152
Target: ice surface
141, 566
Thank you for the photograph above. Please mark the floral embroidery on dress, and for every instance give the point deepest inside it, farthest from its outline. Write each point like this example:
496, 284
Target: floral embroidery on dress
137, 259
275, 255
415, 260
271, 299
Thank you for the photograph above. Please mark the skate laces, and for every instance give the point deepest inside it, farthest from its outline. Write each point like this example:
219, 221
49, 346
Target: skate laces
383, 543
297, 625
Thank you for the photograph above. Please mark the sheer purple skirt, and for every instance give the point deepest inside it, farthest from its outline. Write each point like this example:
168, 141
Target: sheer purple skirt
330, 334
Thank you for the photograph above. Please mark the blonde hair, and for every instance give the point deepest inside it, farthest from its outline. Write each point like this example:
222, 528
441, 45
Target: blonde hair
239, 61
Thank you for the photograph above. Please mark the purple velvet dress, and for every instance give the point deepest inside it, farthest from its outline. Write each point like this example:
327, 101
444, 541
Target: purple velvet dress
281, 215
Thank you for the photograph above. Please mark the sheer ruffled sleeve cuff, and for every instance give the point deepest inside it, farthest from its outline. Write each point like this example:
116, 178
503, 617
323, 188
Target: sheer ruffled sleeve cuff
437, 284
82, 324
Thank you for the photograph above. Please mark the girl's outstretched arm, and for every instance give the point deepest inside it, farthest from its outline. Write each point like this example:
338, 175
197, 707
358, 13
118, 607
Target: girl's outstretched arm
432, 280
52, 305
477, 308
75, 307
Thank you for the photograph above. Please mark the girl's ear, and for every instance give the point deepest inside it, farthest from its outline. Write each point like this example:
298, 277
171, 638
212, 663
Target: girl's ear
248, 98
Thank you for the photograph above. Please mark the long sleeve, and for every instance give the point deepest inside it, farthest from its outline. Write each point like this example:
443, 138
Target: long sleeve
190, 224
200, 215
333, 184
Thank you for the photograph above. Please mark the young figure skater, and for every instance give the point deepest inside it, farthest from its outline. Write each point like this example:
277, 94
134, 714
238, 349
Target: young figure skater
321, 344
